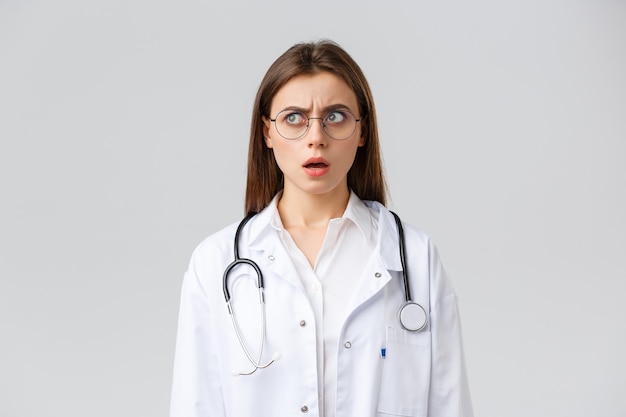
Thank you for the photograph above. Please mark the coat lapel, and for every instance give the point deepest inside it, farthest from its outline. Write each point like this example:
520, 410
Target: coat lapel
265, 248
386, 259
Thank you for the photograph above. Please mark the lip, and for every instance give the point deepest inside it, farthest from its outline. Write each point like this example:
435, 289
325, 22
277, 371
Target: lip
316, 167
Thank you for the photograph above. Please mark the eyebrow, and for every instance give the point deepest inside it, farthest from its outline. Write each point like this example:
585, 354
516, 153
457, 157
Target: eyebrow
325, 110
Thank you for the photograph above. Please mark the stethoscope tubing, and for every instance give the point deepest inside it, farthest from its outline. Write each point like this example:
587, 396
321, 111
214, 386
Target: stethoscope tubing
241, 261
405, 275
244, 261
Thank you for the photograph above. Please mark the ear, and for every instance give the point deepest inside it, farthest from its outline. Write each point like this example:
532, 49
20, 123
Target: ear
363, 132
266, 131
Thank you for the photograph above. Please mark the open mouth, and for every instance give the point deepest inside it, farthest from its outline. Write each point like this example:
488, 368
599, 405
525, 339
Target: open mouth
314, 165
316, 162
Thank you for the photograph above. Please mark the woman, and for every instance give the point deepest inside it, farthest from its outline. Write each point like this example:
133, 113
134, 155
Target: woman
328, 340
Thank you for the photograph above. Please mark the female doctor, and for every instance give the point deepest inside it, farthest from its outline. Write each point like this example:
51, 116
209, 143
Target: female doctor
311, 321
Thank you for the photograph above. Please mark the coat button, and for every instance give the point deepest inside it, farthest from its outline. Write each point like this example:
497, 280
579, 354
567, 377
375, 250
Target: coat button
304, 409
378, 275
271, 257
347, 345
302, 323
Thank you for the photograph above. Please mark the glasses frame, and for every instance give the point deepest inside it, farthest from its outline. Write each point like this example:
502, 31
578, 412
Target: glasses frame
321, 119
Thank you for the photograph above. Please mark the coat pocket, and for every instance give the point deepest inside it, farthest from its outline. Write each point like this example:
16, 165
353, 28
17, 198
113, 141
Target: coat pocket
405, 379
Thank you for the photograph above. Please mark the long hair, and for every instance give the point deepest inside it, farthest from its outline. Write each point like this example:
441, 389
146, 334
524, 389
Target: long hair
265, 180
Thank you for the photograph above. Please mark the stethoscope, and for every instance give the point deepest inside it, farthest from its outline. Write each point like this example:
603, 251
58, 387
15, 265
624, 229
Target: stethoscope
412, 316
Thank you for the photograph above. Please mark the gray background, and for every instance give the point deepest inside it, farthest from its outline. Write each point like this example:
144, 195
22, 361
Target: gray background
124, 128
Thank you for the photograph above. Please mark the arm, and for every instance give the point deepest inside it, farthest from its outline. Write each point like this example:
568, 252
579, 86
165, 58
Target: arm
449, 391
196, 391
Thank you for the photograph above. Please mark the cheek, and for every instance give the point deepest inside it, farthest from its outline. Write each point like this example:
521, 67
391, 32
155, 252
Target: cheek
282, 154
348, 154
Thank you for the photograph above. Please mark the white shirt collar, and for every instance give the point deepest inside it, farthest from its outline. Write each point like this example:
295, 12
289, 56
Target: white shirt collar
360, 214
356, 211
365, 214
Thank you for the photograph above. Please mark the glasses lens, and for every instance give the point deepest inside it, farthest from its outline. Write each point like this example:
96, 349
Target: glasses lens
291, 124
338, 124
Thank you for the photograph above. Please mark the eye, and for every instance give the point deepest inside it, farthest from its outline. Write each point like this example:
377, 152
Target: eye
335, 117
294, 118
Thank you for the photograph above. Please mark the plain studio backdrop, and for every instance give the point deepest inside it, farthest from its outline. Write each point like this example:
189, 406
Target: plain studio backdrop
124, 132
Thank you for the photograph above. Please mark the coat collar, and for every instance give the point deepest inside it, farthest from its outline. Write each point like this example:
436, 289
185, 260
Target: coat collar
388, 238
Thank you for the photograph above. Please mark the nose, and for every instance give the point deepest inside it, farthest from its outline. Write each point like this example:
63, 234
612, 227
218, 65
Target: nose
316, 135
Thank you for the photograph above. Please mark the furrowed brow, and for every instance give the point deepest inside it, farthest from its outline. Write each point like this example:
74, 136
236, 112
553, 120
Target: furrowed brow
338, 106
325, 110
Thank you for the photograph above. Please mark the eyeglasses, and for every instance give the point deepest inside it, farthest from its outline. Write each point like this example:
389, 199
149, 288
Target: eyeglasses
293, 124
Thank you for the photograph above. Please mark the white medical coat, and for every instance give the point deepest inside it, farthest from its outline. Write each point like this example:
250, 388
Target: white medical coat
421, 374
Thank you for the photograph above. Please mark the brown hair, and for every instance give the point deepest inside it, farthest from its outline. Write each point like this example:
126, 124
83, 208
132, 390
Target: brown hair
265, 179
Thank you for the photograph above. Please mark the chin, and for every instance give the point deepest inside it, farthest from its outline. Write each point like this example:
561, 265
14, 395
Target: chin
322, 189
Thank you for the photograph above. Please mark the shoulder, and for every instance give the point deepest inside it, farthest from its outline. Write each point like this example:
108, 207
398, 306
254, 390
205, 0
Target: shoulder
219, 247
214, 248
219, 238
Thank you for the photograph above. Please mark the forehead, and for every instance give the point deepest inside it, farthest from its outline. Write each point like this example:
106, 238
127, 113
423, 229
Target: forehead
315, 91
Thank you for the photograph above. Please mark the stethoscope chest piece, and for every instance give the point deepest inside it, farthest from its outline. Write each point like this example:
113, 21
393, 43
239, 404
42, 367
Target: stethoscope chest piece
412, 317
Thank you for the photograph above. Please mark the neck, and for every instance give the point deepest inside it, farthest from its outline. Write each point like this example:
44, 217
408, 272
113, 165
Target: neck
300, 209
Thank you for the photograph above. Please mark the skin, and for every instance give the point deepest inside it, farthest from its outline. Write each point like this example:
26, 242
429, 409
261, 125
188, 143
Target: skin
310, 200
